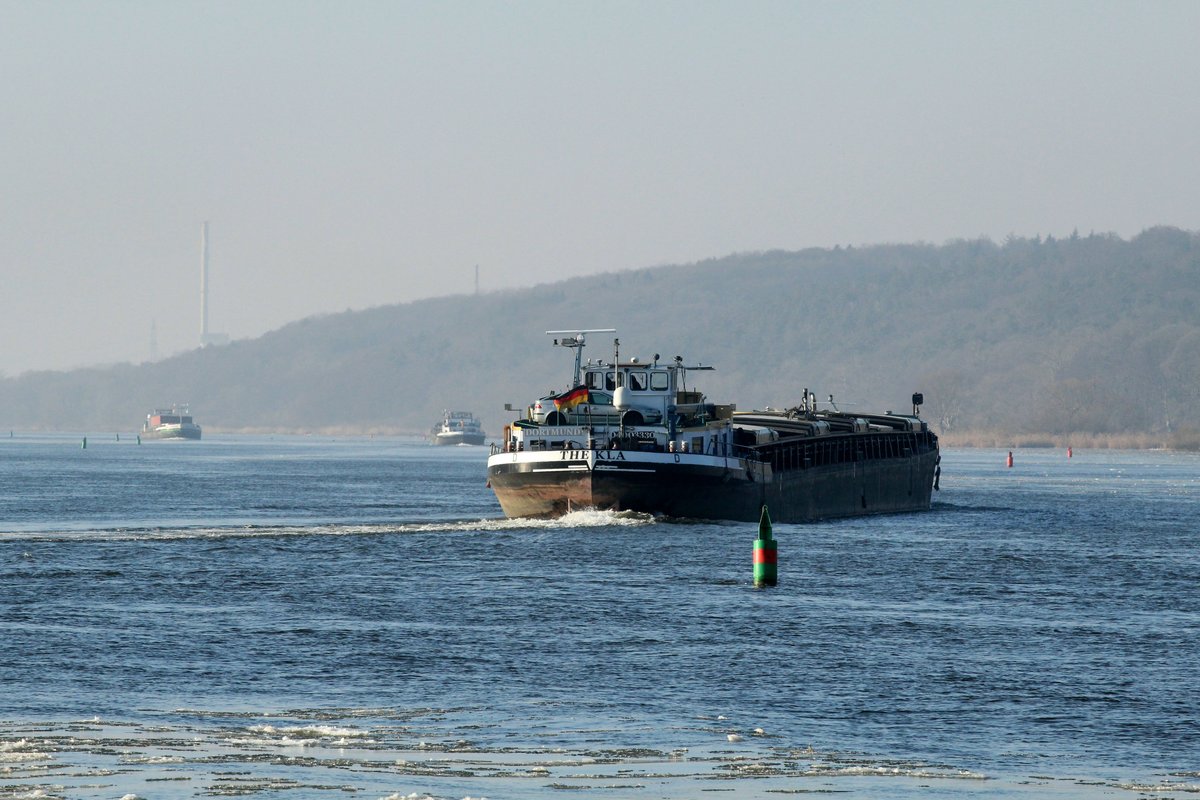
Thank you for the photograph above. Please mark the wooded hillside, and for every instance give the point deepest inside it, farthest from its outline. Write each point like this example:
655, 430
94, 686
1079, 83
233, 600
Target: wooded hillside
1030, 336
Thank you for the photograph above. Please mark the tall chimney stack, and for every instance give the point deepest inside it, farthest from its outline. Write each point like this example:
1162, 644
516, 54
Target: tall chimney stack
204, 284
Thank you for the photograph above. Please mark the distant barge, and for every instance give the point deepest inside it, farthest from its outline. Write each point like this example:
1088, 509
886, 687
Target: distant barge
631, 436
172, 423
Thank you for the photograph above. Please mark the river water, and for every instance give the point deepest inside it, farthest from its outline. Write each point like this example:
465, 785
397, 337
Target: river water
317, 617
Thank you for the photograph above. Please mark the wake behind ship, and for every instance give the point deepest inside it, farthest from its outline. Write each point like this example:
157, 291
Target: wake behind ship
631, 436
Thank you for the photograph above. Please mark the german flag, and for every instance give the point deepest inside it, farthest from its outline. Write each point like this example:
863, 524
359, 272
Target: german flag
569, 400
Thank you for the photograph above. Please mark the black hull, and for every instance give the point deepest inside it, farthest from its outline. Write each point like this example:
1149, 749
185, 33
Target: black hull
710, 488
459, 438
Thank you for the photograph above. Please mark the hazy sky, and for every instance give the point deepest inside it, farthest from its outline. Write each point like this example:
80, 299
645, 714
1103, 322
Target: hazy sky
353, 154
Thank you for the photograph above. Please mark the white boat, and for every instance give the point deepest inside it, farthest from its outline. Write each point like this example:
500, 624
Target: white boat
632, 434
458, 427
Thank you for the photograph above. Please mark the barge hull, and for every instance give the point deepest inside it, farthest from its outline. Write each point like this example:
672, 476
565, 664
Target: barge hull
186, 433
731, 489
459, 438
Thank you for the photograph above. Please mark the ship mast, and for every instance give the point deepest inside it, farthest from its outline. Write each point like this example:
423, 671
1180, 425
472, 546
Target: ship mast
577, 339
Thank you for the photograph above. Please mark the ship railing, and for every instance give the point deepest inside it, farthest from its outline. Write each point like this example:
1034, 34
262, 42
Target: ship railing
714, 447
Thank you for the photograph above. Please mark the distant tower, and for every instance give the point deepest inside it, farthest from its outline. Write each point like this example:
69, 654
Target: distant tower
204, 284
206, 338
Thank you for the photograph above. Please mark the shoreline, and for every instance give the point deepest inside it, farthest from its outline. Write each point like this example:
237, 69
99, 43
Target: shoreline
1187, 440
1184, 441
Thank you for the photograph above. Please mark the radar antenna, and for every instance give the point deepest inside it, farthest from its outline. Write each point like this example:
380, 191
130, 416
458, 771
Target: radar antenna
577, 339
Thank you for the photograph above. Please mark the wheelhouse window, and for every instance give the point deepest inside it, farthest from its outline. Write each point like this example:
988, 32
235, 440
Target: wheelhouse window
637, 381
660, 381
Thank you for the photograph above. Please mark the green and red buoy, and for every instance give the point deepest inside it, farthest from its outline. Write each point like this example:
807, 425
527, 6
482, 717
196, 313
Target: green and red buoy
766, 571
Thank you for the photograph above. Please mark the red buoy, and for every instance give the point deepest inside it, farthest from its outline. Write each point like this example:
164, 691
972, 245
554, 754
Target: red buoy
1068, 452
1009, 461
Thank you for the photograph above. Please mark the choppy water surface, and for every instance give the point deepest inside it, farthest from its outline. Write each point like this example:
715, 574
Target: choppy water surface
306, 617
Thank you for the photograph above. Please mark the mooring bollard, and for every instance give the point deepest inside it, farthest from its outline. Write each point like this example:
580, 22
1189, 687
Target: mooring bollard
766, 572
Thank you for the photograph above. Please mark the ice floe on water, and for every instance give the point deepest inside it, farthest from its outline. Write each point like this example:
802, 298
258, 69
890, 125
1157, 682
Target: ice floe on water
19, 751
314, 734
455, 754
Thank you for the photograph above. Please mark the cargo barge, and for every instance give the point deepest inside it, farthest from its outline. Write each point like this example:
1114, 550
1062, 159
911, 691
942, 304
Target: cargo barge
631, 436
171, 423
